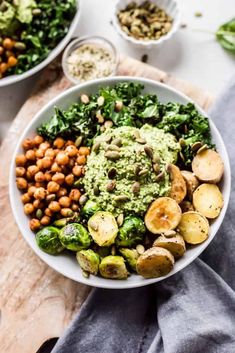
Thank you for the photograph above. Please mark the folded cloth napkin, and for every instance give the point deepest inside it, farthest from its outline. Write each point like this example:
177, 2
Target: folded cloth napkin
191, 312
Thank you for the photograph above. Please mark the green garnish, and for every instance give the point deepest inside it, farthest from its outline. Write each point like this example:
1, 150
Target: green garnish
226, 35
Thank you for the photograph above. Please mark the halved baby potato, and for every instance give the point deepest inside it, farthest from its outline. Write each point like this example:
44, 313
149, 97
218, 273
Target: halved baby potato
208, 166
103, 228
208, 200
191, 182
163, 215
155, 262
178, 185
175, 244
193, 227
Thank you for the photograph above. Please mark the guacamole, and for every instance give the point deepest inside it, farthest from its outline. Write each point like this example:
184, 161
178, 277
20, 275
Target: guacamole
120, 174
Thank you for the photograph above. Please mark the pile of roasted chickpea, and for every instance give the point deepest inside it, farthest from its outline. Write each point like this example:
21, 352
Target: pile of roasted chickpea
9, 50
47, 173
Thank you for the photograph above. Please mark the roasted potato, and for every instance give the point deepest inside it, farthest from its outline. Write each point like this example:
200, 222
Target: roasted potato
103, 228
191, 182
175, 244
186, 206
193, 227
163, 215
208, 200
155, 262
178, 185
208, 166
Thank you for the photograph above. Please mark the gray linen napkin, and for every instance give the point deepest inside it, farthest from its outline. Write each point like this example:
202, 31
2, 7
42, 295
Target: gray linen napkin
191, 312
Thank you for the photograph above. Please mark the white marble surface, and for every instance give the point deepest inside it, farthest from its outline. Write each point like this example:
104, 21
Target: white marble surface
192, 54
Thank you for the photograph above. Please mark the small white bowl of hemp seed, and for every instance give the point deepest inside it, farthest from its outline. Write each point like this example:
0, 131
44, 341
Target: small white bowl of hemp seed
89, 58
146, 24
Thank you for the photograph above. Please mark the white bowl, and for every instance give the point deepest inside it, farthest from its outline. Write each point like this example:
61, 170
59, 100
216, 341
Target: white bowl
170, 6
67, 264
9, 80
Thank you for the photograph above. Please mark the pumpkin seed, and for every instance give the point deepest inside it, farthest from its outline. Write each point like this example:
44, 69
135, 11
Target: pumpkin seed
112, 173
137, 169
96, 147
36, 12
85, 99
50, 197
136, 134
20, 46
156, 158
111, 185
96, 190
140, 249
121, 198
78, 141
149, 151
85, 274
182, 142
202, 149
117, 142
156, 168
100, 101
108, 124
136, 187
119, 104
99, 117
106, 138
39, 213
143, 172
160, 176
120, 219
83, 199
112, 155
182, 156
61, 222
196, 145
141, 141
113, 250
112, 148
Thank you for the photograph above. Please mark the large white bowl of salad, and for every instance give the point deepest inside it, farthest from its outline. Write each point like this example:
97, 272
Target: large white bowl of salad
120, 182
32, 34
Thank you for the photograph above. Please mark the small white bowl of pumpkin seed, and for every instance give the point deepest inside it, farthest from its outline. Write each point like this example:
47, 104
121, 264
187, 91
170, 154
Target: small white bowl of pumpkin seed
146, 23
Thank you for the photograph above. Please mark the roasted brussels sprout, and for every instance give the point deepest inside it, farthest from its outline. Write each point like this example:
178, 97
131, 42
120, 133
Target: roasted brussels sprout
103, 228
131, 256
113, 267
48, 240
89, 261
131, 232
75, 237
89, 209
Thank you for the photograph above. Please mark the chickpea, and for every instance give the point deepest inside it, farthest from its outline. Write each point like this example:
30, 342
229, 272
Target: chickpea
69, 143
34, 224
59, 142
39, 153
61, 192
21, 183
39, 177
31, 190
30, 155
12, 60
54, 206
8, 43
40, 193
28, 208
75, 194
62, 158
50, 153
64, 201
48, 176
77, 170
84, 151
46, 162
38, 204
1, 50
20, 160
69, 179
20, 171
55, 168
71, 151
25, 198
81, 160
44, 146
39, 164
74, 207
29, 176
45, 220
66, 212
52, 187
48, 212
58, 178
32, 170
38, 140
27, 144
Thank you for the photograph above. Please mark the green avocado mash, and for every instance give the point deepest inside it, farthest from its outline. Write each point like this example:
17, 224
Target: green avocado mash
20, 11
133, 165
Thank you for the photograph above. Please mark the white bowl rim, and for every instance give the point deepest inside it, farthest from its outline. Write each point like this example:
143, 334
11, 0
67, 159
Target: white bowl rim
151, 42
10, 80
116, 285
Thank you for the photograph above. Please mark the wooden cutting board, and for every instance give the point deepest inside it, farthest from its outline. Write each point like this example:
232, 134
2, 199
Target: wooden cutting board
37, 303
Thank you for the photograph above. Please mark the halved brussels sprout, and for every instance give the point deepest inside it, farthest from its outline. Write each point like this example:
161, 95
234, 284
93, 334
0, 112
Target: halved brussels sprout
113, 267
75, 237
103, 228
131, 256
48, 240
131, 232
89, 261
89, 209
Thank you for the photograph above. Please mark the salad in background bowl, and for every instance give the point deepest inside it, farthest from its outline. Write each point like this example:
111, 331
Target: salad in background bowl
117, 183
32, 34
